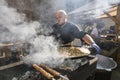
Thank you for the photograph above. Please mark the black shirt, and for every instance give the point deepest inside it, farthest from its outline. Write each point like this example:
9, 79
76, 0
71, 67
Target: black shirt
67, 32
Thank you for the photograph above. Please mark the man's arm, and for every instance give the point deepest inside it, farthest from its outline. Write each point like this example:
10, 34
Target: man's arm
92, 43
88, 39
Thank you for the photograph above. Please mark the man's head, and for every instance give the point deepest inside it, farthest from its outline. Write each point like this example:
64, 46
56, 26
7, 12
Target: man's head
61, 17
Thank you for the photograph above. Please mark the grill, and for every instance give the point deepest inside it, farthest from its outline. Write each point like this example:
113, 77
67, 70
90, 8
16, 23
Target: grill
83, 69
85, 66
74, 68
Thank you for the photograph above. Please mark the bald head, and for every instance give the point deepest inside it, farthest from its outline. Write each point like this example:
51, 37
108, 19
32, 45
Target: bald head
61, 17
61, 12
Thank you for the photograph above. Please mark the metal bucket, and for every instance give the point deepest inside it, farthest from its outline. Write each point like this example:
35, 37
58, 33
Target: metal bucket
105, 63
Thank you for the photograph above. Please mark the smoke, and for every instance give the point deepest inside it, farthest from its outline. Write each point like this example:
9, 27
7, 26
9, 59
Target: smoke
14, 27
94, 8
44, 51
68, 5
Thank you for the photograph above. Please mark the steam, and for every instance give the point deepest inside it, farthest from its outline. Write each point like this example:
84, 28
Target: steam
14, 27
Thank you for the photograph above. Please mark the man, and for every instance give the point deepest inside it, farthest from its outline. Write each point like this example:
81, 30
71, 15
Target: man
95, 33
66, 31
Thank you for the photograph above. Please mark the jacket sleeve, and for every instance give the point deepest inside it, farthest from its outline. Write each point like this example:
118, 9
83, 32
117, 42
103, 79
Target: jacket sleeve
77, 33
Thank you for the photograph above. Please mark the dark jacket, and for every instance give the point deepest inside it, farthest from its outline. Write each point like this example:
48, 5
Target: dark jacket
67, 33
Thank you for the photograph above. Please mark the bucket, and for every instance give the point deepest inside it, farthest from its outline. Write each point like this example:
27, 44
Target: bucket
105, 65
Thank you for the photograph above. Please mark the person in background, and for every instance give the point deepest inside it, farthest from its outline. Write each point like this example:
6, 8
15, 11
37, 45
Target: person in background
112, 30
65, 31
88, 26
95, 33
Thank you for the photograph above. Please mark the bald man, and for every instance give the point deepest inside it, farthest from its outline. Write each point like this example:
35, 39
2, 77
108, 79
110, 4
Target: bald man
66, 32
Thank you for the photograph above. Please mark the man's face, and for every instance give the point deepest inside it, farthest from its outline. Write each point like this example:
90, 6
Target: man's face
60, 18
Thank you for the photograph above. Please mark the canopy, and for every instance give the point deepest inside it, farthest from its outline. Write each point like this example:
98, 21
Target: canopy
112, 11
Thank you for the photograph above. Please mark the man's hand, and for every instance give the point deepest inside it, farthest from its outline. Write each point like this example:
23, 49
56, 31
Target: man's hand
96, 47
